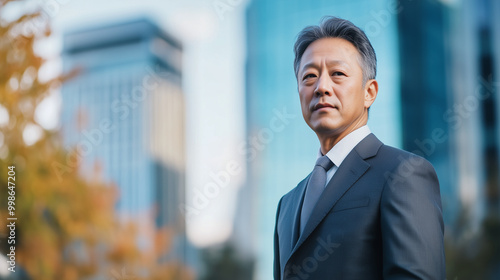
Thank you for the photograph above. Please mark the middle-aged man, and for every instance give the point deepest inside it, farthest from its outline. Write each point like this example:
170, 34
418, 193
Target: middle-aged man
367, 211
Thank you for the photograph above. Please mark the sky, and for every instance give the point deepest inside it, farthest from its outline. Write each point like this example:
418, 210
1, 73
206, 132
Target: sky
213, 39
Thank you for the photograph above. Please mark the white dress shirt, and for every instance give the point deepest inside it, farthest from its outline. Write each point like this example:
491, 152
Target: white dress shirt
339, 152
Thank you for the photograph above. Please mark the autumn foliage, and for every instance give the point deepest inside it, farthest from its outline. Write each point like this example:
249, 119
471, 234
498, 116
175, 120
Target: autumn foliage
67, 226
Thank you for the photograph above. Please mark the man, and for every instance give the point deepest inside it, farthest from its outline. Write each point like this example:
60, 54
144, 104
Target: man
367, 211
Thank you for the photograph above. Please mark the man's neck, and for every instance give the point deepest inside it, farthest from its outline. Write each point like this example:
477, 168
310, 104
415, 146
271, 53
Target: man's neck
327, 142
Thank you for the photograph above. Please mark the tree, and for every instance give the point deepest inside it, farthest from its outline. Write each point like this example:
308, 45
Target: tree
224, 263
66, 226
473, 255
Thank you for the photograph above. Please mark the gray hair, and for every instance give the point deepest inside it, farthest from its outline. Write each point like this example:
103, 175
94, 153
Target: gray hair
334, 27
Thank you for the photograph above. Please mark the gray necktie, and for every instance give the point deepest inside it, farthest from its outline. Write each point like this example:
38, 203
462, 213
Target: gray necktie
315, 187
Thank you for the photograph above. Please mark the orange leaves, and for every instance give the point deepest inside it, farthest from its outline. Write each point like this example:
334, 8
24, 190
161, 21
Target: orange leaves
67, 225
123, 246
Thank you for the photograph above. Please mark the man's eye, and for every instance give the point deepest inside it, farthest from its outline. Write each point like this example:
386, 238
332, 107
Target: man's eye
338, 74
309, 76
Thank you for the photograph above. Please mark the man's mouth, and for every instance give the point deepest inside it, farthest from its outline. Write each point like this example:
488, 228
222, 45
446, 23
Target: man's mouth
323, 105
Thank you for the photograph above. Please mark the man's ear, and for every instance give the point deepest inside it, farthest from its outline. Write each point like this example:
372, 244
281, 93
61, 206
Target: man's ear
371, 90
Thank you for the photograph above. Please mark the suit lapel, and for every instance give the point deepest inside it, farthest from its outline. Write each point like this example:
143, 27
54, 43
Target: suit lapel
288, 215
351, 169
297, 210
342, 181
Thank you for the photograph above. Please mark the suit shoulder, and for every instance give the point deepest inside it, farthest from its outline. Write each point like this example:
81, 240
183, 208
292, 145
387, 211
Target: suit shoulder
401, 161
397, 155
293, 192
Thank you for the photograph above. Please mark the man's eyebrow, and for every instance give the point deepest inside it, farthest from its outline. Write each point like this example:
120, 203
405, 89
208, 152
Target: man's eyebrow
310, 65
328, 63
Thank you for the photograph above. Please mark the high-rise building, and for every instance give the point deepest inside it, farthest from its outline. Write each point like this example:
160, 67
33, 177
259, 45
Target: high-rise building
426, 91
281, 148
474, 112
449, 65
125, 111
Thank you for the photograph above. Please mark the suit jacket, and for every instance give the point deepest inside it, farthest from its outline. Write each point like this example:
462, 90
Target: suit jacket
379, 217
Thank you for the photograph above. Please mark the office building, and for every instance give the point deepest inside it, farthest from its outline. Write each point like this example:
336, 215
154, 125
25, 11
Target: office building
125, 111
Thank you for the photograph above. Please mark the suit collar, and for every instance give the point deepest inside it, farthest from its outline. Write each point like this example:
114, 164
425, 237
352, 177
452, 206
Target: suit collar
339, 152
368, 147
353, 167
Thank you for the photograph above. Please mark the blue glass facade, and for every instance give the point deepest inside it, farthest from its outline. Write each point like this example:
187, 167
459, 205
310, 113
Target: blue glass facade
425, 92
125, 111
448, 67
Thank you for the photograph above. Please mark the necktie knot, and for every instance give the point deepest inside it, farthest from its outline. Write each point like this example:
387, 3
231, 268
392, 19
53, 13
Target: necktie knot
324, 162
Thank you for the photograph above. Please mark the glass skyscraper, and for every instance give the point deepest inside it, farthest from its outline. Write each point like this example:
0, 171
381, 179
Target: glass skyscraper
124, 110
426, 91
474, 111
449, 61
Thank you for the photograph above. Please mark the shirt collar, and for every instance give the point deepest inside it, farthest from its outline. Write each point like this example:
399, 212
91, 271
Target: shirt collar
339, 152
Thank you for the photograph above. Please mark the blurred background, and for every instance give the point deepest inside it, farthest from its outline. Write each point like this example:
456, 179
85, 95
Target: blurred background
153, 139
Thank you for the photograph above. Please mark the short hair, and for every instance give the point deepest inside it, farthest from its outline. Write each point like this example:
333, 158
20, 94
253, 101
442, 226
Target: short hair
334, 27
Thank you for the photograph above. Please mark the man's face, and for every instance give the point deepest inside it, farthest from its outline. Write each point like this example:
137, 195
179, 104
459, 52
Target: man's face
333, 98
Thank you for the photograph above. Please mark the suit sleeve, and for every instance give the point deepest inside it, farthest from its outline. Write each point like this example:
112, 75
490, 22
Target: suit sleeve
277, 267
411, 222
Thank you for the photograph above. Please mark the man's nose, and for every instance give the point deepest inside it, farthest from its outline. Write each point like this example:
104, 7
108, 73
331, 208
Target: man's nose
324, 85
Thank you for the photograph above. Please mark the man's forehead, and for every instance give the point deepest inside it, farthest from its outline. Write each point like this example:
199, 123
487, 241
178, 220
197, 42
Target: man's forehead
331, 46
333, 51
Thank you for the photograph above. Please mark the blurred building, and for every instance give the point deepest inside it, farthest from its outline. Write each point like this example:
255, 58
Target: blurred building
125, 112
449, 65
426, 92
474, 112
281, 148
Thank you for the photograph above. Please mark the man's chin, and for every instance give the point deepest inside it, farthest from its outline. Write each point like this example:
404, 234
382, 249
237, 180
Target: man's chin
326, 128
